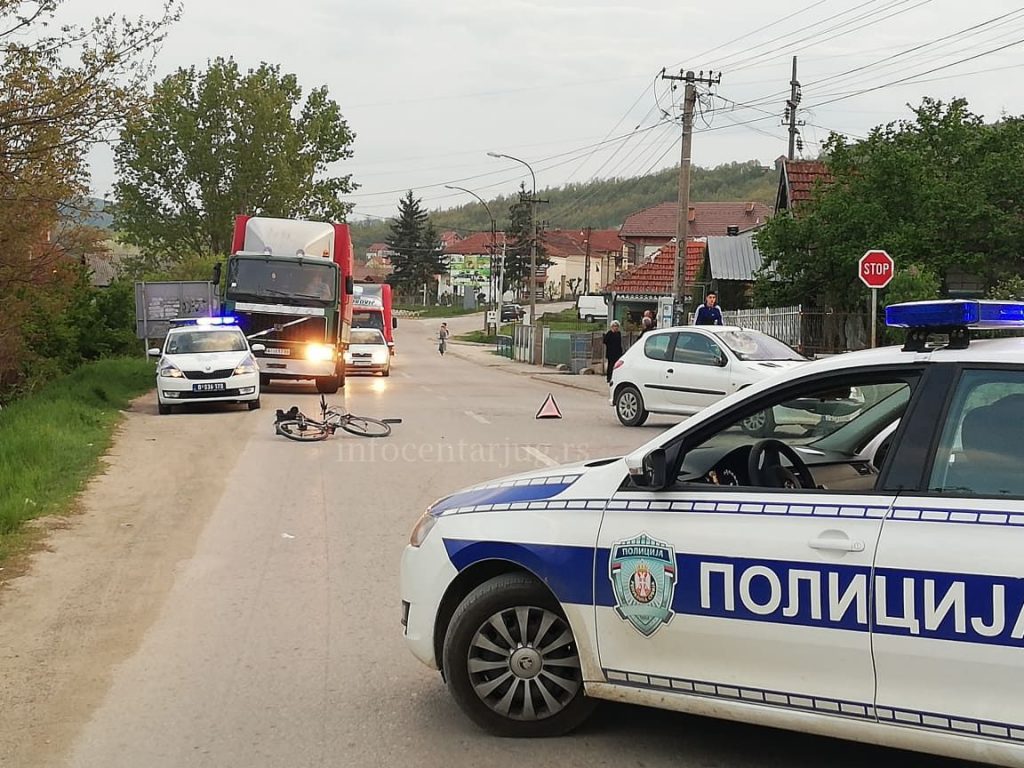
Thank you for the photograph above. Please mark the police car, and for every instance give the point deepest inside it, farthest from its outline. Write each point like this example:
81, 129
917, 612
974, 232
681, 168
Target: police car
206, 359
865, 583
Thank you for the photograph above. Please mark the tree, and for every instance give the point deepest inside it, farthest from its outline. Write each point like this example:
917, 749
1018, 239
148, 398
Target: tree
519, 235
417, 256
61, 92
943, 189
218, 143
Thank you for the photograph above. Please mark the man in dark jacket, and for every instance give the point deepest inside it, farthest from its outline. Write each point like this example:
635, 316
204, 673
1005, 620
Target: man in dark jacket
612, 348
709, 313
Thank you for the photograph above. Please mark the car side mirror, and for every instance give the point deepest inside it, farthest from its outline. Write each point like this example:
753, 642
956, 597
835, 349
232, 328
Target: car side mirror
350, 285
154, 352
215, 279
259, 348
722, 360
655, 470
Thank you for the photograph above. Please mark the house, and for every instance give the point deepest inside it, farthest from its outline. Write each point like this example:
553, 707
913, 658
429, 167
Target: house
730, 269
645, 231
581, 260
644, 286
797, 182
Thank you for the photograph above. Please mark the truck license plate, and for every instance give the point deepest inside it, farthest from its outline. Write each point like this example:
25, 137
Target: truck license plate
215, 387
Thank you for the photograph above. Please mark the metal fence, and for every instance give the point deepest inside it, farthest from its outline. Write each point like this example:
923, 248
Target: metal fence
811, 332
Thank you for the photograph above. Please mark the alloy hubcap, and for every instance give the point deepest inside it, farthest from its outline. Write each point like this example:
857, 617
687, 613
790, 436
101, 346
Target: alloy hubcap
628, 406
523, 663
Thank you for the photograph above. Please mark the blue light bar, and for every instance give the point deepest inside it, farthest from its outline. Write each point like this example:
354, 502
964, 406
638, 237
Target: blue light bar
956, 313
205, 321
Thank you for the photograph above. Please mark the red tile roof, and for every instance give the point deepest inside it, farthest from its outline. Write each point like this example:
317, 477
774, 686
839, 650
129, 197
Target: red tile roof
706, 219
654, 277
377, 248
364, 274
477, 244
801, 178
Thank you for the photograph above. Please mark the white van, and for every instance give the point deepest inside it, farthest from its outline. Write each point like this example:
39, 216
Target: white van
592, 308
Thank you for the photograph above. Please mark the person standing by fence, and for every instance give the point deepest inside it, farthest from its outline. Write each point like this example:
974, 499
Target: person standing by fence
612, 348
709, 313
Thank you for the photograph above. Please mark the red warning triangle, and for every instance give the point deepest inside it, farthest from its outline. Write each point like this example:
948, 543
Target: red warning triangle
549, 410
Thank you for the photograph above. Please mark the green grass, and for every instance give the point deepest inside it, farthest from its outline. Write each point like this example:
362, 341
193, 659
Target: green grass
51, 442
437, 311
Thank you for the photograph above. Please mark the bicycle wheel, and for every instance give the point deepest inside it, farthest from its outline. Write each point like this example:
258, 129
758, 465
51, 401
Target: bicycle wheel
365, 426
303, 431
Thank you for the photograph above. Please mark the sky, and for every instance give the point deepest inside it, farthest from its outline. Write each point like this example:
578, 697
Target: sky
574, 87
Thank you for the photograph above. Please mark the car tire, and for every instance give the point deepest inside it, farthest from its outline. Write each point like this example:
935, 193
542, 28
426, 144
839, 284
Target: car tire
557, 703
264, 380
254, 405
386, 371
327, 385
589, 318
164, 410
760, 424
629, 406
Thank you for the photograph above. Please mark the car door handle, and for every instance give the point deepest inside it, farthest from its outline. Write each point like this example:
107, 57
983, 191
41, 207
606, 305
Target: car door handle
671, 370
837, 545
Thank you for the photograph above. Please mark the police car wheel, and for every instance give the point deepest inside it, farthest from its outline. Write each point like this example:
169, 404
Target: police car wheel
254, 404
629, 407
162, 409
511, 661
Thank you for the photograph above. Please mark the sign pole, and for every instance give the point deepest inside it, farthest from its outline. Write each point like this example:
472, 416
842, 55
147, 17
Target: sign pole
874, 317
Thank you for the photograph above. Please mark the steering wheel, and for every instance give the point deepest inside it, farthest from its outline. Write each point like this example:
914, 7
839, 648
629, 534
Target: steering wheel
773, 474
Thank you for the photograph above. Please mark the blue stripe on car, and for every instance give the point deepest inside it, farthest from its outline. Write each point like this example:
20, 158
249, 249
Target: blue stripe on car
502, 494
568, 571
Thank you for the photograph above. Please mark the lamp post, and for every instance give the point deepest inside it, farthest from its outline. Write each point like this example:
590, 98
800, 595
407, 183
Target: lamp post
494, 240
533, 240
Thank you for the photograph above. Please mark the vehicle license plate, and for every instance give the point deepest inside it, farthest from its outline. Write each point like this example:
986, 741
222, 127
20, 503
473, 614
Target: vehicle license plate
212, 387
278, 351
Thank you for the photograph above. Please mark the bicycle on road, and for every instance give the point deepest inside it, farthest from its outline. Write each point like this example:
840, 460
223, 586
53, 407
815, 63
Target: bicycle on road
298, 426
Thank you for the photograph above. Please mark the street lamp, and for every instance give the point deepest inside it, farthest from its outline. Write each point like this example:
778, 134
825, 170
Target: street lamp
494, 245
533, 241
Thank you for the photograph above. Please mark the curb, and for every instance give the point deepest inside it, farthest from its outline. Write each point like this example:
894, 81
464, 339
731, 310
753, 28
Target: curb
550, 378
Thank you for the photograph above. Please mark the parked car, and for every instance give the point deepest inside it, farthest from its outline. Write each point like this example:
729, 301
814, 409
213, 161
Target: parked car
368, 351
206, 359
682, 370
512, 312
591, 308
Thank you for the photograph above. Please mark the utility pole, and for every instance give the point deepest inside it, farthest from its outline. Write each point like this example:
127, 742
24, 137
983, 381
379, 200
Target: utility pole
683, 220
791, 105
586, 264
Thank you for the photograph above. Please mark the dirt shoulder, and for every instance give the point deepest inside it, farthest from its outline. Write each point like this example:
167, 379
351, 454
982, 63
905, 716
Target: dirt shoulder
89, 595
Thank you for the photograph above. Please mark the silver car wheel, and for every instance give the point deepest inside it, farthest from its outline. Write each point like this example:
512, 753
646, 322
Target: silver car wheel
628, 405
523, 663
756, 422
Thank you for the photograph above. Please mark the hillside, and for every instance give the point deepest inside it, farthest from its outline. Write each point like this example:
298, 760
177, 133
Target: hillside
602, 204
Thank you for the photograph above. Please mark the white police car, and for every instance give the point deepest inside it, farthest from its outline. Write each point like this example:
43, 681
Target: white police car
206, 359
866, 583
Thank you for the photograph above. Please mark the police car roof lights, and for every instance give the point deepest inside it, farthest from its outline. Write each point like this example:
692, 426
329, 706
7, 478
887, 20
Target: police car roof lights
204, 321
955, 318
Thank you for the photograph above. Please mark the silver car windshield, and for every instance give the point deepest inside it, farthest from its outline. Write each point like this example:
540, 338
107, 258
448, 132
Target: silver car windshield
753, 345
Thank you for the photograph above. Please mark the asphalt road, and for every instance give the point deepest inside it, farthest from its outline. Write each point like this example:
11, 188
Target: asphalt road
276, 640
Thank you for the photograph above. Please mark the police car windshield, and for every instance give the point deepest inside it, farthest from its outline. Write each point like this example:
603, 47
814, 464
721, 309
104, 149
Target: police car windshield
199, 342
753, 345
366, 336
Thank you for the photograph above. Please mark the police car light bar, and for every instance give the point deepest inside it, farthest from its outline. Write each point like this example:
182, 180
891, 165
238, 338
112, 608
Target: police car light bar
205, 321
957, 313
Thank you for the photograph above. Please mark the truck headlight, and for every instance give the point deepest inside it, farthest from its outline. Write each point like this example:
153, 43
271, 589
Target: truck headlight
319, 352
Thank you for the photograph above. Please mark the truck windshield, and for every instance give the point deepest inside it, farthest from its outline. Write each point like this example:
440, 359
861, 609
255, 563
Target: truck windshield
362, 318
288, 280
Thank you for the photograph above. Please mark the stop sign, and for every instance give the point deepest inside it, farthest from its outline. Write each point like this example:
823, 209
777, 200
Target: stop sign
876, 269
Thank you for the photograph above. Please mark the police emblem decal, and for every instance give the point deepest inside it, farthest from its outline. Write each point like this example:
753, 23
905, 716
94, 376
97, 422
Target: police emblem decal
643, 575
